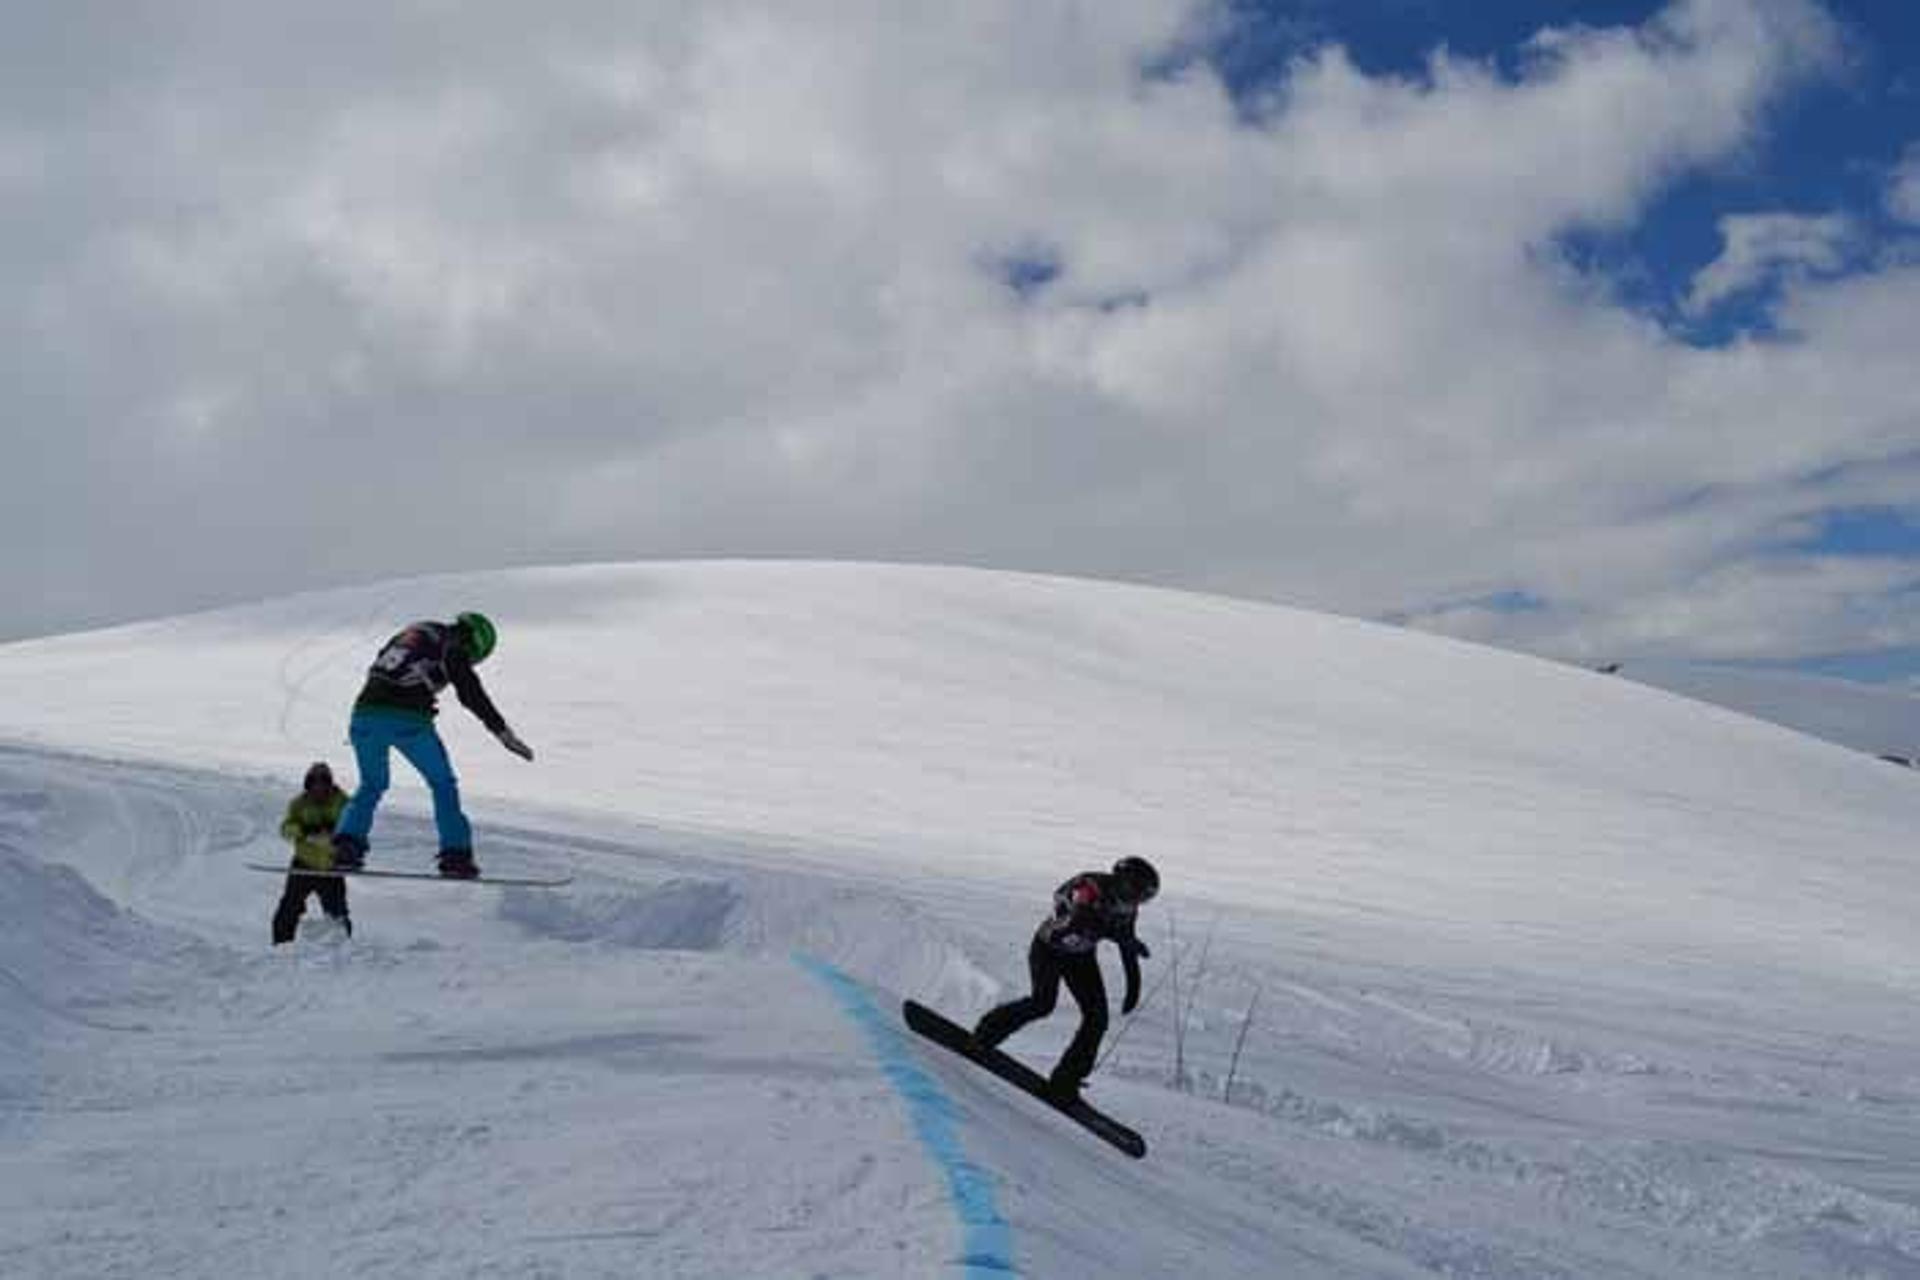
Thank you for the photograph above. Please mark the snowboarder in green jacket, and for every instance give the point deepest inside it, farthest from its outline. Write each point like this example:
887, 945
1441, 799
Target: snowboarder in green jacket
309, 824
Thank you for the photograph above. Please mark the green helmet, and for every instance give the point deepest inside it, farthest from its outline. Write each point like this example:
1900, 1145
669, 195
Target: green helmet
477, 635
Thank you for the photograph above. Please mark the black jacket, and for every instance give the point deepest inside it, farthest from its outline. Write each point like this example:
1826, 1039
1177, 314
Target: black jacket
419, 662
1086, 909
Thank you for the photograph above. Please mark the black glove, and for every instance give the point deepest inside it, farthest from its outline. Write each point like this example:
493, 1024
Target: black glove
1140, 950
511, 741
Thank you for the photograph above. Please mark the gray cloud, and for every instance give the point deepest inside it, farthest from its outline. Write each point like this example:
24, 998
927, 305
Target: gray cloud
303, 297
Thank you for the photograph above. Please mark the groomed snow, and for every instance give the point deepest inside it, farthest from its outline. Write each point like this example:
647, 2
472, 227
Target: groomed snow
1557, 975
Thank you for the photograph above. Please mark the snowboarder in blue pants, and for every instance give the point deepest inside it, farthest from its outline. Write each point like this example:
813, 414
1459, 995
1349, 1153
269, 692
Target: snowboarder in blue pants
395, 712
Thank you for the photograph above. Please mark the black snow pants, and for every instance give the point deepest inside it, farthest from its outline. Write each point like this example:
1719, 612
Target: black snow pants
1049, 968
293, 903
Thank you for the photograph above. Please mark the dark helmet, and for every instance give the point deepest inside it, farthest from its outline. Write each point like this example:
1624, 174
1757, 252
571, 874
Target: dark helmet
319, 775
1136, 879
476, 634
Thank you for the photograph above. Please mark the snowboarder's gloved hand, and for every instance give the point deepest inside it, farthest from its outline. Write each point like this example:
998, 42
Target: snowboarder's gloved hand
1140, 950
511, 741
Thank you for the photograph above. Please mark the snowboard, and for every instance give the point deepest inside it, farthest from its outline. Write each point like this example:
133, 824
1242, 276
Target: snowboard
951, 1036
532, 882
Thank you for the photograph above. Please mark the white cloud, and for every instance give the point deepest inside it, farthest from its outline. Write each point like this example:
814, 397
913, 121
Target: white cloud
386, 294
1903, 190
1760, 247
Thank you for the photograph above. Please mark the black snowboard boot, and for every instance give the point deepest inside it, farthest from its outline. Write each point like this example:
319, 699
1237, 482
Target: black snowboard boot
458, 864
349, 852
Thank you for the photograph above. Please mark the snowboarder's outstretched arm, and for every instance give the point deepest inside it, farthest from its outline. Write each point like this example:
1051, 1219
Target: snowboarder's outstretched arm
1132, 952
1088, 907
473, 696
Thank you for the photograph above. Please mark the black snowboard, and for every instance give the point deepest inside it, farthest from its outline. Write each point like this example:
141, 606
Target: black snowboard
380, 873
1021, 1076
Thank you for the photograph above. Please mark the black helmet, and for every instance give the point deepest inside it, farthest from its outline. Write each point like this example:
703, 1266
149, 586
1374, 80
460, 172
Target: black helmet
318, 774
1136, 879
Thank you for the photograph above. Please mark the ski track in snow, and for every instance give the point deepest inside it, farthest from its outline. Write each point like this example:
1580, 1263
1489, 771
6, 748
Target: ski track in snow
632, 1077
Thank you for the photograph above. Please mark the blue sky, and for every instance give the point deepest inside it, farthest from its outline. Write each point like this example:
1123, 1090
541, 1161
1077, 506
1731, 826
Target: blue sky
1598, 348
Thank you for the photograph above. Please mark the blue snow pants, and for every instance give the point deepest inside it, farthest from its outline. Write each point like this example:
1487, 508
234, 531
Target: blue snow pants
374, 731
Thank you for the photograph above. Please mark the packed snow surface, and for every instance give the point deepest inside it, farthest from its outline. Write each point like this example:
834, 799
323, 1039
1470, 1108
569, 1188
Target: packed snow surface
1519, 970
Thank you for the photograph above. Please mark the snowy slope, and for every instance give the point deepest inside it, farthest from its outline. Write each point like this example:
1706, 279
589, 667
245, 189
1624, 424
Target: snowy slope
1556, 974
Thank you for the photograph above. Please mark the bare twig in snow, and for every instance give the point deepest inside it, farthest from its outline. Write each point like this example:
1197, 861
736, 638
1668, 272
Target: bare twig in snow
1183, 1013
1179, 1020
1226, 1092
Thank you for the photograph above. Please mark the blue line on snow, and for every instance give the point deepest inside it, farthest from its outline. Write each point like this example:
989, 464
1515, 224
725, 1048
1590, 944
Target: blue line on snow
986, 1240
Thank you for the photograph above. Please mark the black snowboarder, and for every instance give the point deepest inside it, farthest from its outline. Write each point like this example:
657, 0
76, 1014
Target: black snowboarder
1091, 906
309, 823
